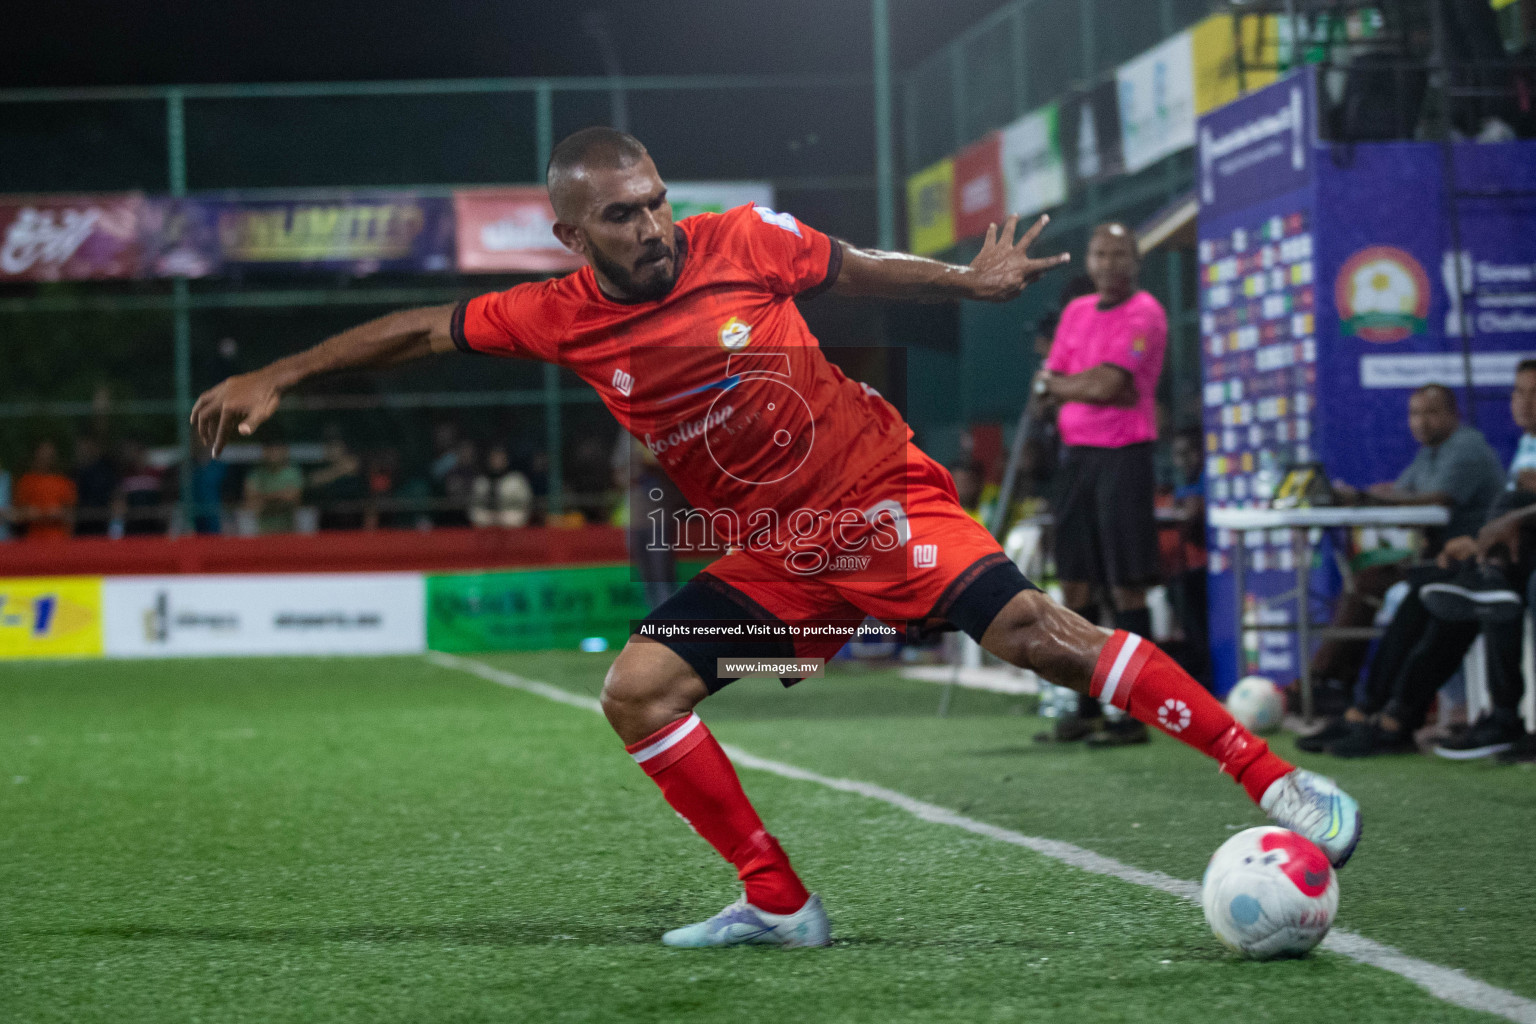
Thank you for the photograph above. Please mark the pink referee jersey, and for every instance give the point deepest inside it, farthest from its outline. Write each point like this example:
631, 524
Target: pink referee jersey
1132, 336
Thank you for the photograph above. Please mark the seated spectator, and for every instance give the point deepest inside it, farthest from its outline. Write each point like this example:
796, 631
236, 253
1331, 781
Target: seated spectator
383, 467
1042, 452
5, 505
968, 484
44, 497
535, 464
1454, 467
1187, 583
445, 451
273, 489
95, 486
208, 478
455, 485
1475, 586
589, 481
138, 504
648, 515
500, 496
338, 487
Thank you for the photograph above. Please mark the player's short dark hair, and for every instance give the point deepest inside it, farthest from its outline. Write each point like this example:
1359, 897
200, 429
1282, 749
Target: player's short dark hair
598, 146
1446, 395
1525, 366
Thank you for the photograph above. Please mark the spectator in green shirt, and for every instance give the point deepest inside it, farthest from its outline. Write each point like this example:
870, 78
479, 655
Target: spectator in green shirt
273, 490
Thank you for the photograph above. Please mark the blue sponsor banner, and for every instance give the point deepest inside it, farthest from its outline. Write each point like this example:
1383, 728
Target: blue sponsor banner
1259, 146
353, 232
1332, 284
1403, 307
1258, 234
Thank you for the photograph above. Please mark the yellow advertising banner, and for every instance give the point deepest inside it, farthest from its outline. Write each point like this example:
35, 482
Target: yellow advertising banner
930, 208
50, 617
1217, 80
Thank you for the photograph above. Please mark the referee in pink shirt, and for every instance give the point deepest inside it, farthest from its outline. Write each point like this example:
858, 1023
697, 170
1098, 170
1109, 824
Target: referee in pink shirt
1103, 369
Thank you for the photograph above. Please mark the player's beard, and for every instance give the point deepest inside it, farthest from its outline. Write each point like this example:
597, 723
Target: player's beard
623, 278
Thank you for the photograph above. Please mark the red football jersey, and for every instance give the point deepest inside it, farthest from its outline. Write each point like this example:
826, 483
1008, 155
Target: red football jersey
721, 378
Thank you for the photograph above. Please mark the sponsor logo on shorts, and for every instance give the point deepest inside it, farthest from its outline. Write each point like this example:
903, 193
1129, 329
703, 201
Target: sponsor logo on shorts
623, 383
925, 556
1174, 715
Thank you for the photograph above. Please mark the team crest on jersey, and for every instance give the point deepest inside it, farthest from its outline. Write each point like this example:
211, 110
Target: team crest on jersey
735, 334
925, 556
623, 383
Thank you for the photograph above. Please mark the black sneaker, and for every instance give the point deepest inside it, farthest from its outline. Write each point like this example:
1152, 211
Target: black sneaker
1479, 593
1317, 742
1125, 733
1070, 729
1366, 739
1522, 751
1494, 733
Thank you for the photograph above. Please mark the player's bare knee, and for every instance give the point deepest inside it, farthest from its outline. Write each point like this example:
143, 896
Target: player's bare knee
1034, 632
644, 691
1012, 631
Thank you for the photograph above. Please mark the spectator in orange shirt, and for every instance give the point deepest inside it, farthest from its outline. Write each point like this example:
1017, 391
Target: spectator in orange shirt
45, 498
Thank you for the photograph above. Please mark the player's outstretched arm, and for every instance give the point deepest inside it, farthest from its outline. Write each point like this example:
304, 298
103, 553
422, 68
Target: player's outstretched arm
999, 272
244, 402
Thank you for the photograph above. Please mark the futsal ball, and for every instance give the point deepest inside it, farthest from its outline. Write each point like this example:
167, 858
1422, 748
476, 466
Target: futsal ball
1256, 703
1269, 892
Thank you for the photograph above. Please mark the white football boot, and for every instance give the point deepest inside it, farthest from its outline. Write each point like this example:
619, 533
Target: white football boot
1307, 803
742, 924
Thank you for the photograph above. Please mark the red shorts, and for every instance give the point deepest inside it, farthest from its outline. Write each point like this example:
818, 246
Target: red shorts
899, 548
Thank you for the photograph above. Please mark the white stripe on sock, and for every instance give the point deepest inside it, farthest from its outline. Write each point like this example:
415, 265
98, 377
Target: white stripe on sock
670, 740
1132, 641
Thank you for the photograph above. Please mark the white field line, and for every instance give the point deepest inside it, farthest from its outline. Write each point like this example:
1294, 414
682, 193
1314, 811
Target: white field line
1446, 983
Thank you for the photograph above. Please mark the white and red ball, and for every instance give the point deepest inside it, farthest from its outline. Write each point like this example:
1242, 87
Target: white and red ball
1269, 892
1257, 704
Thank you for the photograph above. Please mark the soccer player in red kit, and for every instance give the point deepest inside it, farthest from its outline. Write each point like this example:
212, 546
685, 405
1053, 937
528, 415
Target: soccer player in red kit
690, 334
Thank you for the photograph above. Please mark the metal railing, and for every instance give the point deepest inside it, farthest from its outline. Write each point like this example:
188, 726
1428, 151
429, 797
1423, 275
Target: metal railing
181, 300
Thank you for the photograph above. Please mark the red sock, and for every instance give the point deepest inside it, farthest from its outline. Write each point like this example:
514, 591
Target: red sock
699, 782
1136, 677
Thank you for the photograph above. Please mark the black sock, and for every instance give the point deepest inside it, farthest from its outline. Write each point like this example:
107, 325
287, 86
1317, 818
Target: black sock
1088, 707
1135, 620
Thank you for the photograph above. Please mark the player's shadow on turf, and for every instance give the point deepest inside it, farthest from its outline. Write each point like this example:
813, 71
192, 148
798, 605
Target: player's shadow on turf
473, 933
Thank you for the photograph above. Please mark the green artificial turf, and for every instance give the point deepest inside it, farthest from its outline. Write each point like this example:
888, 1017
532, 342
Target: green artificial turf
387, 840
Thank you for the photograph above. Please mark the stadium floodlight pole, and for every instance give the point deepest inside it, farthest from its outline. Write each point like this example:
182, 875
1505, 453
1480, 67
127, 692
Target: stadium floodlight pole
885, 197
596, 25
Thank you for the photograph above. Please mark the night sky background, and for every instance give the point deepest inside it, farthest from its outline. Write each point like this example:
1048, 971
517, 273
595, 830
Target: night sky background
101, 43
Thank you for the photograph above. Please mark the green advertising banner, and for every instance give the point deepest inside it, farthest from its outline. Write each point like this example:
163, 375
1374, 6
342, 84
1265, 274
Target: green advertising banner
531, 610
536, 609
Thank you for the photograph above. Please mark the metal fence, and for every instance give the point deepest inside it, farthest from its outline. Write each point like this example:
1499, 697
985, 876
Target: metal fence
134, 354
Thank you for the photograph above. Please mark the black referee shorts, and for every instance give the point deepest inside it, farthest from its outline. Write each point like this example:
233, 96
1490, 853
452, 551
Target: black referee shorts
1106, 532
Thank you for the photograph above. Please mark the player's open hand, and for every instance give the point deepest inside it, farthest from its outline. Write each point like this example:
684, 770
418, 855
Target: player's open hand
1004, 267
239, 405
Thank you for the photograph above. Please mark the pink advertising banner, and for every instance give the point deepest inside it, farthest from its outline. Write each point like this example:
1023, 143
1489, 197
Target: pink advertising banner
508, 230
71, 237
